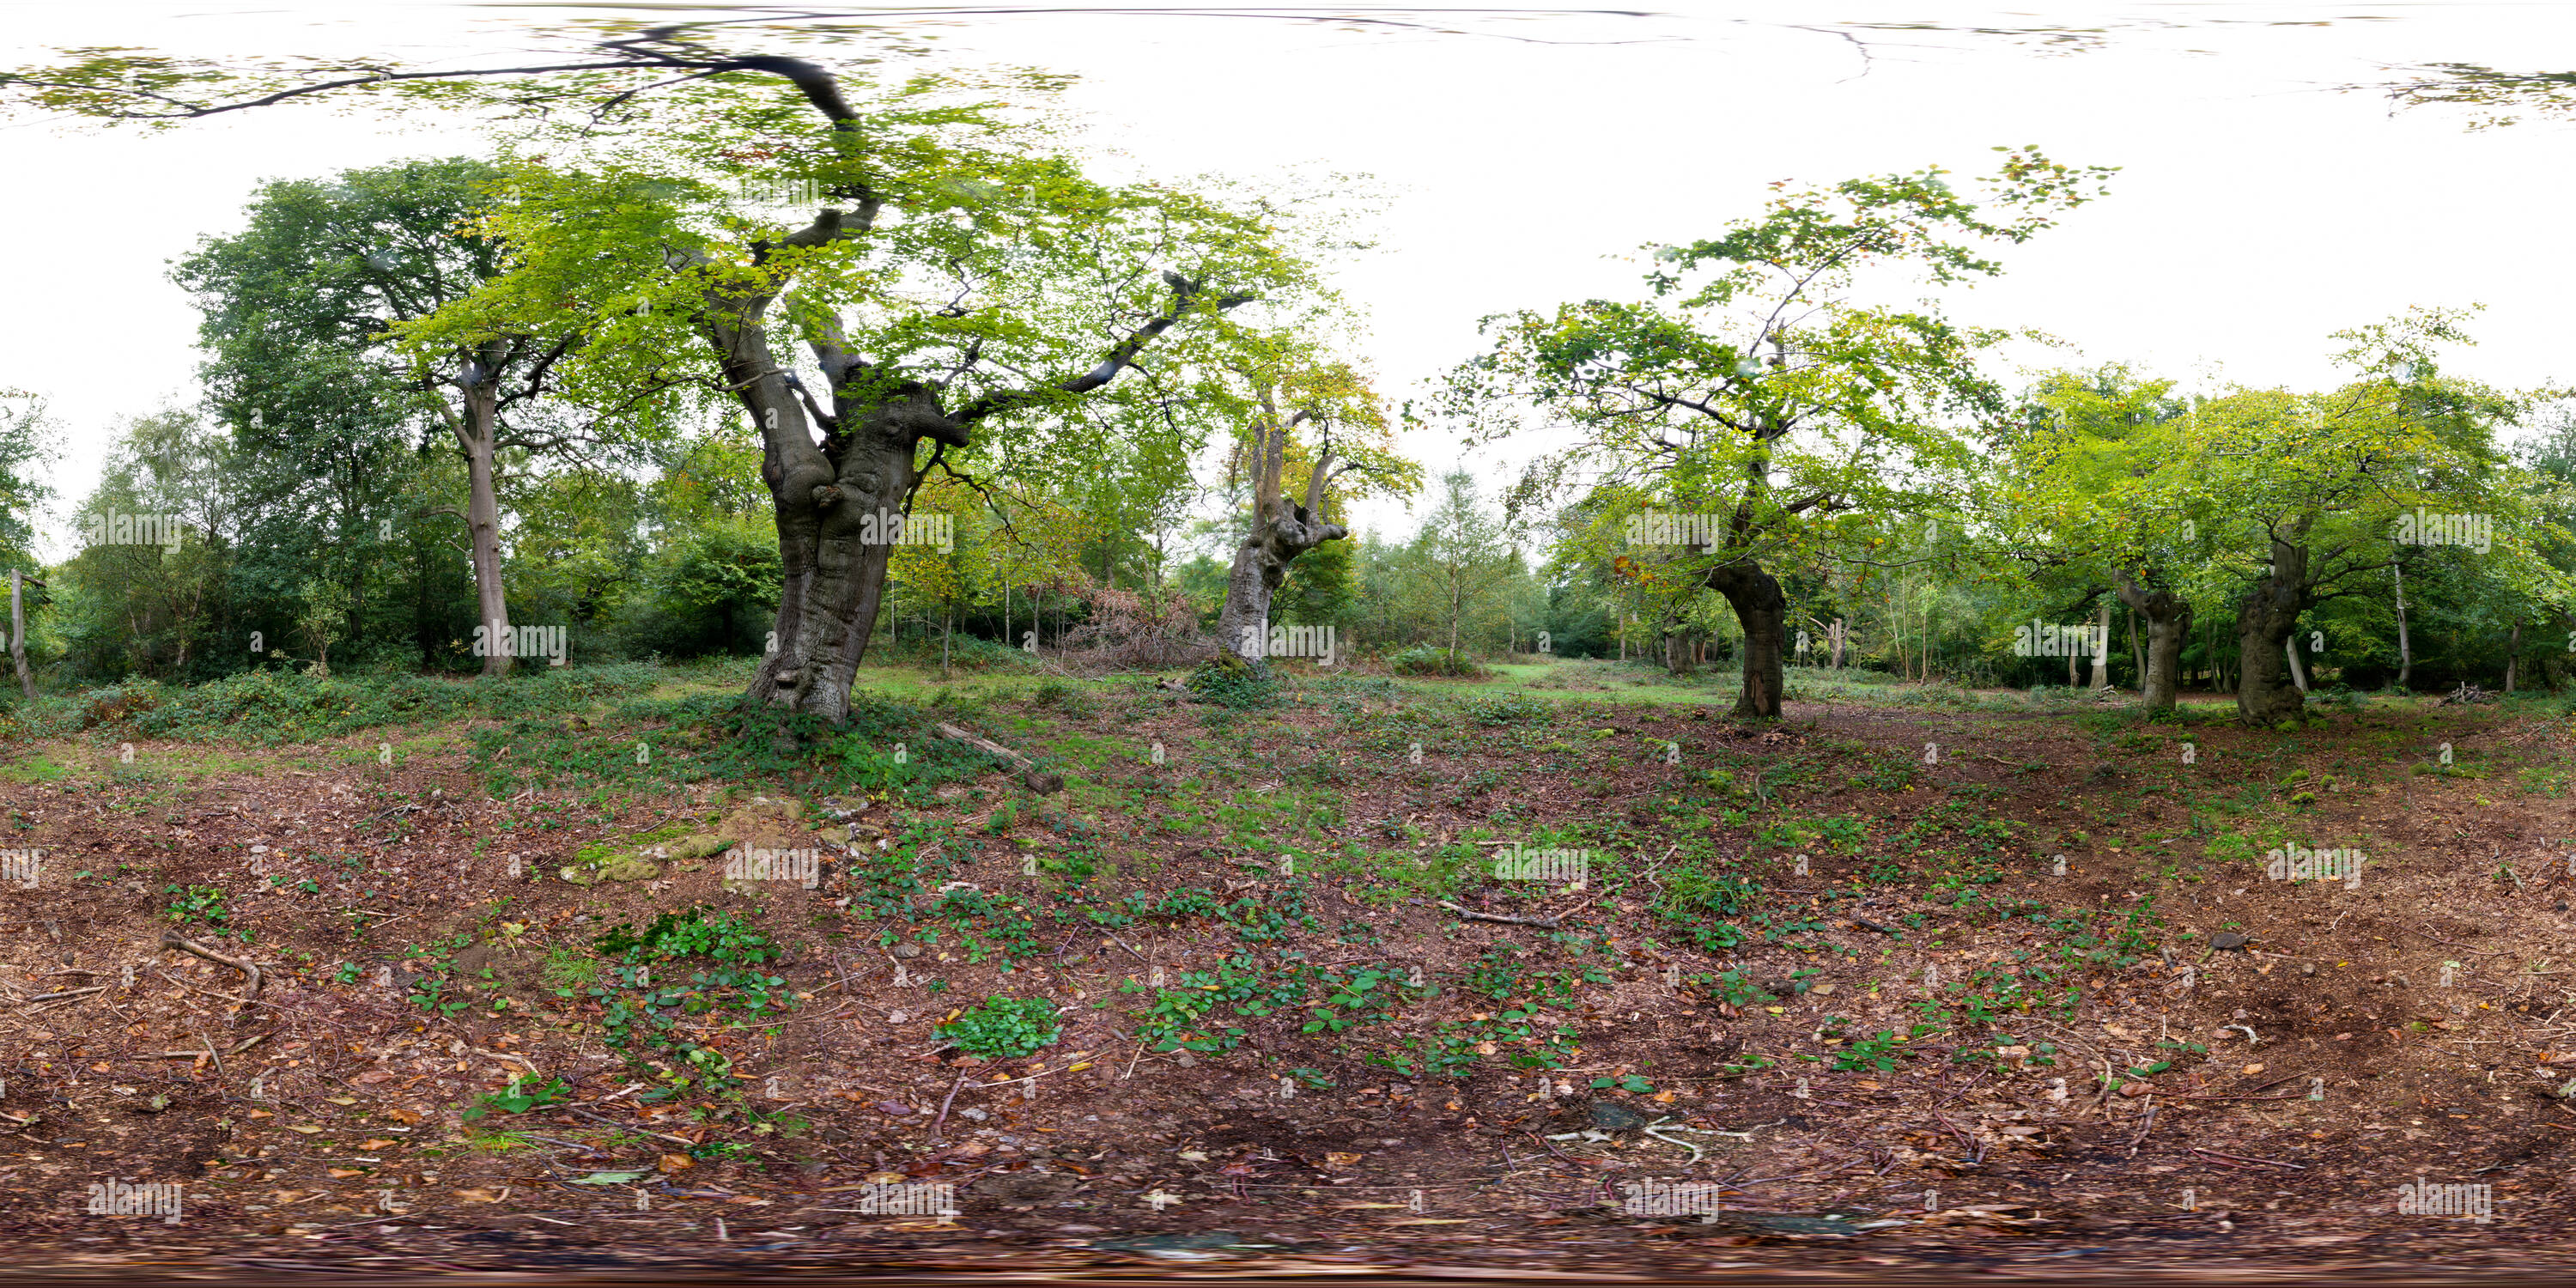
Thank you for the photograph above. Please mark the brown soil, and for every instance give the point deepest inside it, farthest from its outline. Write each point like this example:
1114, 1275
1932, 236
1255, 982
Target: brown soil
2366, 1071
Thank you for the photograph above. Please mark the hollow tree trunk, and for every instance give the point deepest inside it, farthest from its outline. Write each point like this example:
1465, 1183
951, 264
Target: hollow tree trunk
483, 516
2168, 618
1755, 596
2264, 620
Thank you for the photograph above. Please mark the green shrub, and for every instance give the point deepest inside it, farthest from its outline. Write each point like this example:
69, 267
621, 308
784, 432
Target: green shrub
1230, 681
1505, 709
723, 937
1422, 659
1065, 699
1689, 892
1004, 1028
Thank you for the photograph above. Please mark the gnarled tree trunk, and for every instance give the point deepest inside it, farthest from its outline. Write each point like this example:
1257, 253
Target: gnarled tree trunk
1755, 596
2168, 618
1281, 531
2264, 620
841, 502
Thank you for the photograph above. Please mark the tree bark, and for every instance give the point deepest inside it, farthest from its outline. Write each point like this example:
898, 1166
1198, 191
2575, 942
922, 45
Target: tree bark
2264, 620
2168, 618
2137, 655
2102, 648
2513, 657
1281, 531
1758, 603
840, 501
2405, 651
483, 513
18, 630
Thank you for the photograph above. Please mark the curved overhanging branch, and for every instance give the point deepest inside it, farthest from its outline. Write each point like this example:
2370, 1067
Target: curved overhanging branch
1186, 295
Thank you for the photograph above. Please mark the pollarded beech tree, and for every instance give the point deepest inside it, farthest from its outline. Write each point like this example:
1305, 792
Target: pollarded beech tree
2320, 492
963, 291
1752, 400
1331, 403
958, 280
2088, 494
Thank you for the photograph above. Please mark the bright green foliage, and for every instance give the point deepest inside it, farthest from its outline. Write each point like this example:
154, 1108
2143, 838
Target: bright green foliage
1751, 392
1004, 1028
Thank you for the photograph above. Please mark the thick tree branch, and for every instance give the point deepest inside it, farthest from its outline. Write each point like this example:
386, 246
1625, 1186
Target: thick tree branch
1186, 295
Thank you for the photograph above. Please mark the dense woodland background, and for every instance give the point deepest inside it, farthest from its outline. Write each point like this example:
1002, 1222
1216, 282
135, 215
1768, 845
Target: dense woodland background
1920, 504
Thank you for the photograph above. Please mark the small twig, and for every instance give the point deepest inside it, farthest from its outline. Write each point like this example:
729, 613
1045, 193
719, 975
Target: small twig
1543, 923
2249, 1095
75, 992
942, 1119
2484, 952
1973, 1148
2299, 1167
170, 939
210, 1054
194, 989
2148, 1125
611, 1122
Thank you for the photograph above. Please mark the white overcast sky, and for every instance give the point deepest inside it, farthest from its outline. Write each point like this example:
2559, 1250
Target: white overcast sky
2256, 211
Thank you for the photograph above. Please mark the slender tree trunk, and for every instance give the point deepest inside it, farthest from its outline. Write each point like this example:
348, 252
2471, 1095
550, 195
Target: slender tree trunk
2137, 656
2264, 620
483, 515
2405, 650
18, 631
2290, 650
2102, 648
2513, 657
1840, 632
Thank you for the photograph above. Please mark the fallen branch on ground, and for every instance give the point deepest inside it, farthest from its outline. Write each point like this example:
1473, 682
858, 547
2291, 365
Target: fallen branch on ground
170, 939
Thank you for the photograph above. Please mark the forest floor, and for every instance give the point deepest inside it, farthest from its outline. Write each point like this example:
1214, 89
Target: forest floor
1913, 983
